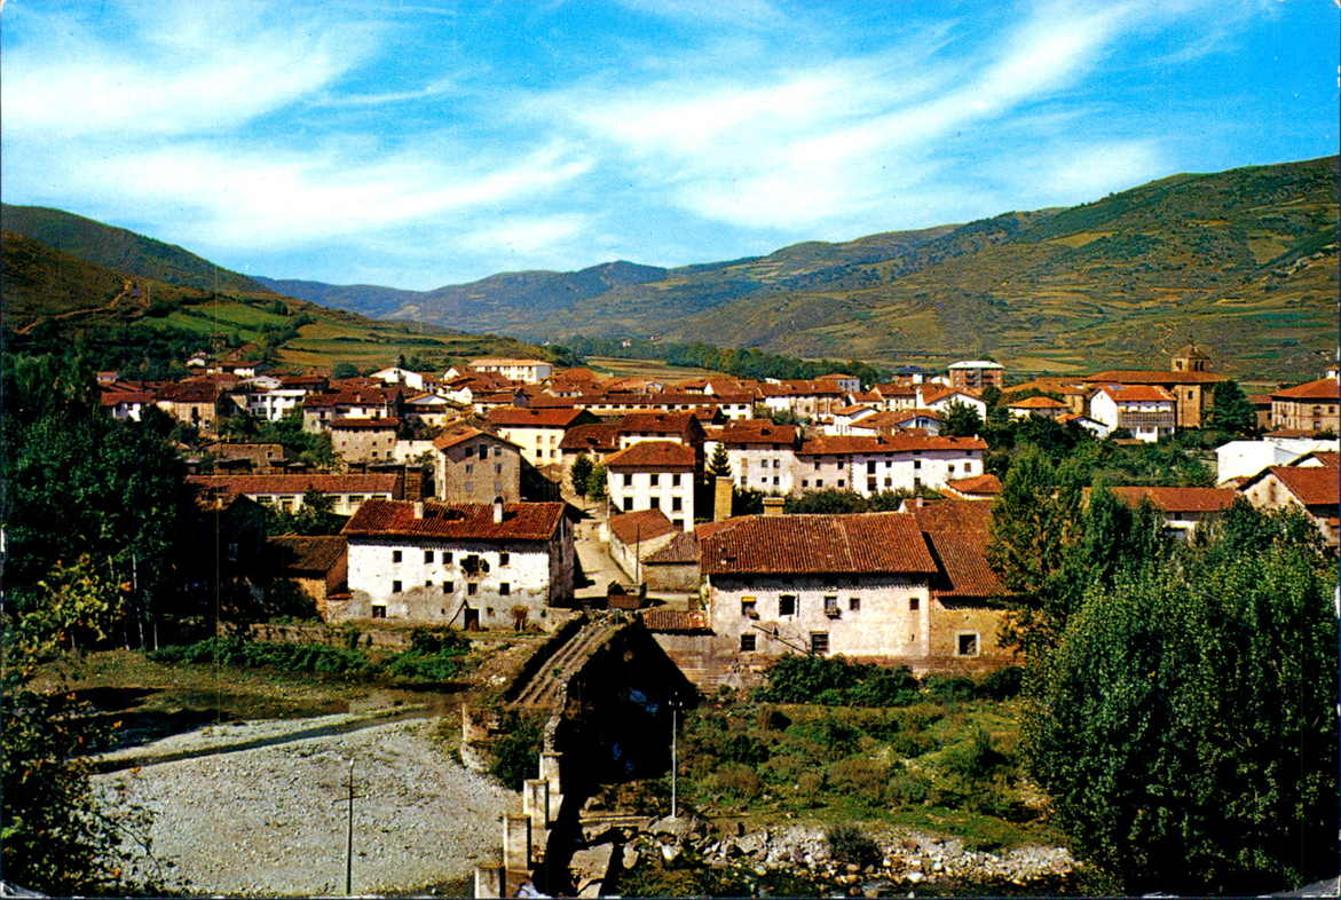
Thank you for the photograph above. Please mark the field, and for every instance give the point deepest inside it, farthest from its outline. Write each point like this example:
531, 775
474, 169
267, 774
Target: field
645, 368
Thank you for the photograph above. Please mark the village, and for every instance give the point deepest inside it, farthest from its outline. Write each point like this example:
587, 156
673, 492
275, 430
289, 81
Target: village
493, 494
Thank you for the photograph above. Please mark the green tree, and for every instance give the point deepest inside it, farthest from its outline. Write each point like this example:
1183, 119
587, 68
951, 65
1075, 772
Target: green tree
1230, 410
596, 482
719, 465
1184, 724
961, 420
344, 370
581, 474
828, 502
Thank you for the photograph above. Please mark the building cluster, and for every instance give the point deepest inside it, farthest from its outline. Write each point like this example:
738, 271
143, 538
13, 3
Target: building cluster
452, 486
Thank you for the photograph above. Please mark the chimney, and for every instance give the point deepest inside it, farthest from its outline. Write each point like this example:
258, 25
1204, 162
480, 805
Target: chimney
498, 510
773, 506
721, 498
419, 509
414, 483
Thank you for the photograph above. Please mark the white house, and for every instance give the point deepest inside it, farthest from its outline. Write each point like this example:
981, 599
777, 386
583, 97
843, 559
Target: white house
397, 375
762, 455
531, 371
1244, 459
285, 492
654, 474
1146, 410
537, 432
940, 398
845, 417
469, 565
870, 465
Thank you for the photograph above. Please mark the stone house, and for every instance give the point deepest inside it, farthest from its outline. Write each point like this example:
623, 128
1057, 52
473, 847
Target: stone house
674, 567
1308, 408
635, 536
1311, 488
474, 466
320, 410
364, 440
259, 457
655, 474
317, 565
1190, 390
199, 403
468, 565
1148, 411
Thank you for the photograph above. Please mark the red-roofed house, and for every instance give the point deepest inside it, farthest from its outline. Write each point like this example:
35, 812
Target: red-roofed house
285, 492
537, 432
468, 565
979, 487
1314, 488
474, 466
1038, 406
1184, 508
762, 455
870, 465
927, 421
364, 440
654, 474
1308, 408
635, 536
1146, 410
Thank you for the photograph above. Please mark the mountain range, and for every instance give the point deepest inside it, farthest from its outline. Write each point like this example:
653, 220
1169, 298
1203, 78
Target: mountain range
1242, 260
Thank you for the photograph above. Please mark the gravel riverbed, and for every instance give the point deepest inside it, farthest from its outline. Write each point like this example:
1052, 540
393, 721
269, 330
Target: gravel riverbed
271, 820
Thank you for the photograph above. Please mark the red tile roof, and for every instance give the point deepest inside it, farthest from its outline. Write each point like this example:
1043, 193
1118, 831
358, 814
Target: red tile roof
1312, 485
455, 521
958, 532
1038, 403
1322, 389
1327, 458
1139, 393
598, 438
936, 393
896, 443
683, 548
653, 455
675, 620
460, 435
643, 525
678, 423
756, 431
297, 484
1178, 499
1148, 376
978, 484
308, 554
861, 543
517, 417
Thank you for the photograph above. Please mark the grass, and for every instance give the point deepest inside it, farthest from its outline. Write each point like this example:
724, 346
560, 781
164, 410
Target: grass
645, 368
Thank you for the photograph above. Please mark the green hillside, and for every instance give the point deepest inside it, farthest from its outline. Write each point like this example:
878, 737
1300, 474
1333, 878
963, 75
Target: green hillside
121, 250
51, 298
1243, 260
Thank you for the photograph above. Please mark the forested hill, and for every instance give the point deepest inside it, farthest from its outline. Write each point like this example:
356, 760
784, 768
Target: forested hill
1243, 260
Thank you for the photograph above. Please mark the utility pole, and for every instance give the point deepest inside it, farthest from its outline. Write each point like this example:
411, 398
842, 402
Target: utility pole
349, 836
675, 765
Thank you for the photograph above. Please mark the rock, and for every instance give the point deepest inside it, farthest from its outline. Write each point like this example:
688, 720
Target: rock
915, 877
670, 852
936, 866
679, 826
629, 858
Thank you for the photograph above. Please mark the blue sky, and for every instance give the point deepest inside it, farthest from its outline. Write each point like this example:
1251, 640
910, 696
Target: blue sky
426, 142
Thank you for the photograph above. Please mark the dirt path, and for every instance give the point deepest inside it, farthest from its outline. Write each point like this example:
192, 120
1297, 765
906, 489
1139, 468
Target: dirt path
271, 820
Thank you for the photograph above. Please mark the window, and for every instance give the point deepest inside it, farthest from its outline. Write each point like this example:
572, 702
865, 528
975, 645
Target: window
914, 604
428, 556
628, 504
395, 556
870, 467
817, 465
379, 612
966, 643
854, 603
470, 468
819, 482
446, 558
787, 605
952, 468
498, 468
842, 482
395, 587
498, 451
819, 642
675, 480
428, 583
776, 481
484, 452
749, 607
831, 607
677, 504
472, 588
654, 479
805, 482
871, 484
917, 464
504, 588
747, 643
448, 587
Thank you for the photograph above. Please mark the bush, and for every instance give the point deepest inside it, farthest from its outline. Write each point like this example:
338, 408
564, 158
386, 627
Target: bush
737, 781
415, 665
517, 752
1002, 684
908, 788
309, 659
858, 777
744, 749
835, 681
973, 758
947, 689
848, 844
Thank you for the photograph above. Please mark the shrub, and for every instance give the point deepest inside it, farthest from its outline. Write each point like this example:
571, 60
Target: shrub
737, 781
835, 681
884, 687
1002, 684
744, 749
908, 788
974, 758
858, 776
945, 689
810, 785
417, 666
309, 659
517, 752
849, 844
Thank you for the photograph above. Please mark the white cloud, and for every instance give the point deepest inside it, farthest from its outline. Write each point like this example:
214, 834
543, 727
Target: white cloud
527, 235
196, 69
